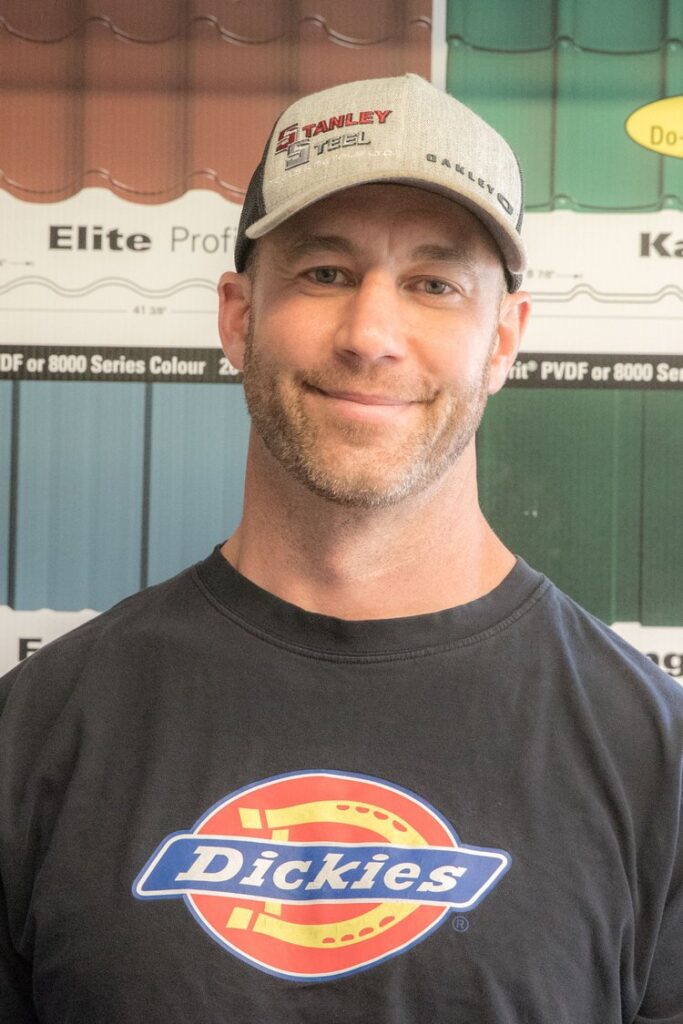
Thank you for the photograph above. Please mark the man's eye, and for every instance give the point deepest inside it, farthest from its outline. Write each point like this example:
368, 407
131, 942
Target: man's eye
326, 275
433, 286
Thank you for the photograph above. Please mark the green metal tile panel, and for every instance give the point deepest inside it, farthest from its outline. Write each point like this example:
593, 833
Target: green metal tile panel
560, 481
563, 107
627, 26
597, 166
662, 600
199, 438
674, 20
512, 92
611, 26
79, 501
672, 169
5, 481
502, 25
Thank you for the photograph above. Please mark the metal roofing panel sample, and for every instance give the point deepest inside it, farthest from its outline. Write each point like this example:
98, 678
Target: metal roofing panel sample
501, 25
672, 169
54, 21
612, 26
558, 509
674, 20
41, 153
597, 166
79, 494
6, 388
199, 436
662, 530
511, 92
152, 99
559, 80
616, 26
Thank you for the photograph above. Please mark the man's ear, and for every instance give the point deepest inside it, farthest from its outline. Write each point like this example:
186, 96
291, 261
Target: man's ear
234, 297
514, 313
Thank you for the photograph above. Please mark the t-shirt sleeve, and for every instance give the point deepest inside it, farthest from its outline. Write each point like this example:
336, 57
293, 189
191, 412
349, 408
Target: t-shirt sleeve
15, 972
663, 1002
15, 977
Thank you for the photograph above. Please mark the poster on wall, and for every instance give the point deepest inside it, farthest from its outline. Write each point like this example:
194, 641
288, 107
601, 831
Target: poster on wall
113, 285
607, 294
124, 291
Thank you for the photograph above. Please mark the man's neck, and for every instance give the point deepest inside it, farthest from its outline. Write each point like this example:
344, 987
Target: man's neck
432, 551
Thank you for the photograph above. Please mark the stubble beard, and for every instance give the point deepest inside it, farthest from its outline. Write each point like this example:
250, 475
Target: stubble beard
353, 467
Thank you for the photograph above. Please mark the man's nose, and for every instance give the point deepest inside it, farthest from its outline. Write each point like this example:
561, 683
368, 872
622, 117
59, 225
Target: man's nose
372, 325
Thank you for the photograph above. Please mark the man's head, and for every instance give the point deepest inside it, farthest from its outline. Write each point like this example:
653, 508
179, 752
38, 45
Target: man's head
376, 319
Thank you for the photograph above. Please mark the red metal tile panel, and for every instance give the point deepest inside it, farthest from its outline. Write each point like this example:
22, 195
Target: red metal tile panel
152, 99
133, 115
147, 21
40, 117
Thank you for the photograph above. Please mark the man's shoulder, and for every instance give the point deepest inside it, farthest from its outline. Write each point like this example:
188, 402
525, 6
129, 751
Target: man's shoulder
139, 619
602, 662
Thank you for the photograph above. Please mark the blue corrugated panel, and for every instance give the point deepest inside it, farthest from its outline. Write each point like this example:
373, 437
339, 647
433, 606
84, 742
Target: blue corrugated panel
5, 480
597, 166
503, 25
513, 92
614, 26
198, 454
79, 503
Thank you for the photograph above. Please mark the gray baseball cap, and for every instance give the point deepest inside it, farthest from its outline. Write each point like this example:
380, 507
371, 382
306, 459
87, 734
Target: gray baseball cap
399, 130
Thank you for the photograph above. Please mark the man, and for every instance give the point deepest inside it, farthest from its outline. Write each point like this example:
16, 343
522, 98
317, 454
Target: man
392, 773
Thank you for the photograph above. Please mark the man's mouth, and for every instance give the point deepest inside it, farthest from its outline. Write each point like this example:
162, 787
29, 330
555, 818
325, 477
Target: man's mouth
365, 398
363, 406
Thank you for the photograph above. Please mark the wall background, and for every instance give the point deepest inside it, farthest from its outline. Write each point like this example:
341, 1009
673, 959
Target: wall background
119, 466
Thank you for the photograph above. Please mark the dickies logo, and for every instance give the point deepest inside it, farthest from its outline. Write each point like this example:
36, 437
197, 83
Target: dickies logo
319, 874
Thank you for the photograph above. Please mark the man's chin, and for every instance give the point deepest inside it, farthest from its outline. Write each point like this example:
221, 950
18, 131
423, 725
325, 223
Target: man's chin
358, 489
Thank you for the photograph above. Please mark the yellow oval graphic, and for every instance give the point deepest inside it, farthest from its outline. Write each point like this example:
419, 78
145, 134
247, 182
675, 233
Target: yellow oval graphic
659, 126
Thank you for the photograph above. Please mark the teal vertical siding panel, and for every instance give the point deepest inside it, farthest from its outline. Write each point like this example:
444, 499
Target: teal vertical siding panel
613, 26
502, 25
674, 20
5, 480
79, 502
597, 165
512, 92
624, 428
663, 511
198, 458
672, 167
560, 481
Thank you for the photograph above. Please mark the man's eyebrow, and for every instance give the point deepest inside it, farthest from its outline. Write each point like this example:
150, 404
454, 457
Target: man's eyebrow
309, 244
444, 254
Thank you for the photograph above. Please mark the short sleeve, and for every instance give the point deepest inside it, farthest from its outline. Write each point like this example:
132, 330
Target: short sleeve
15, 978
663, 1002
15, 972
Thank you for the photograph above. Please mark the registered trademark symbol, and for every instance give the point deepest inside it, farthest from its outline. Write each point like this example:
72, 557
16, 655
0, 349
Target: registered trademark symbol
460, 923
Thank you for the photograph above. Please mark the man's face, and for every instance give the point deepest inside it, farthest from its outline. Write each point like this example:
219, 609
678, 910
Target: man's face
374, 318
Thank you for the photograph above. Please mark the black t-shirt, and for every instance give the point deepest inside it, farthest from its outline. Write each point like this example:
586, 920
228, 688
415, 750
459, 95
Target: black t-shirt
215, 806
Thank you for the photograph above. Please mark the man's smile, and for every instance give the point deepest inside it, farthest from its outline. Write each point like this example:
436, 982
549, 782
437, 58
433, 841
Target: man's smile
364, 406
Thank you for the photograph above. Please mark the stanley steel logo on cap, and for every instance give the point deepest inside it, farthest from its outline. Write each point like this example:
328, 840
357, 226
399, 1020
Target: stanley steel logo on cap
294, 140
400, 131
314, 875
